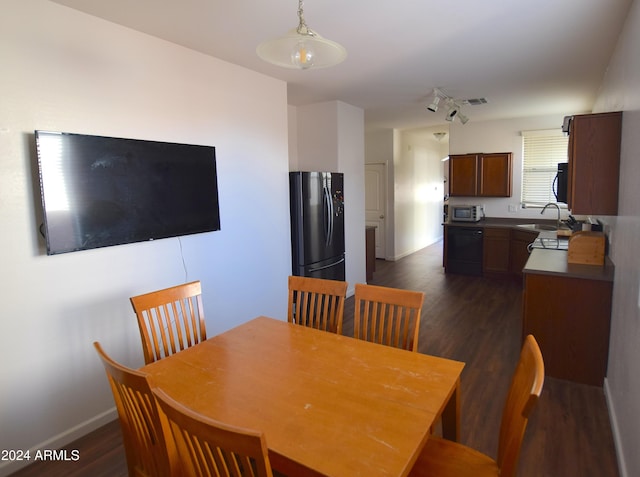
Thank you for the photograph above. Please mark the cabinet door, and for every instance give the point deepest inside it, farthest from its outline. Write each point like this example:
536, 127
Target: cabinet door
519, 250
573, 334
495, 175
594, 163
496, 252
463, 175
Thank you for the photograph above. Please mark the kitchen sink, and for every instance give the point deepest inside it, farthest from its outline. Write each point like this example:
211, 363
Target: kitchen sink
550, 243
538, 227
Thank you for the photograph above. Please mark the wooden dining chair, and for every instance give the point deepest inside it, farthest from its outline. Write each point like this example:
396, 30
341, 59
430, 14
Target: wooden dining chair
389, 316
170, 320
207, 447
148, 452
444, 458
317, 303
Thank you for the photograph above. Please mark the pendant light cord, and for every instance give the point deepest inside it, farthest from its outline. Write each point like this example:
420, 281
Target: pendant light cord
302, 29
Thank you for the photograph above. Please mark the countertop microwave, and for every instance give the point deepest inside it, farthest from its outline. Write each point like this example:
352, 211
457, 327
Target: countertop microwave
466, 213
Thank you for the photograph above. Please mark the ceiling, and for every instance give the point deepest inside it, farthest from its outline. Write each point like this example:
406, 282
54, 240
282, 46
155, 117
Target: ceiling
526, 57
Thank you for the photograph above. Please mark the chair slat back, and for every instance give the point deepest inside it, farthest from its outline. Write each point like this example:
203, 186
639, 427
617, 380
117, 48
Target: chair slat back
389, 316
170, 320
317, 303
148, 452
524, 392
207, 447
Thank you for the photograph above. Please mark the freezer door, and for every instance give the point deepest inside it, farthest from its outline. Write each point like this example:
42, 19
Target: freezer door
331, 269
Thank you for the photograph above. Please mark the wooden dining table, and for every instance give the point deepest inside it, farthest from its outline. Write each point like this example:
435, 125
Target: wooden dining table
329, 405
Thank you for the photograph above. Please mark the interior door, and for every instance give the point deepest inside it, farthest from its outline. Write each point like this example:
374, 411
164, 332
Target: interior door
375, 199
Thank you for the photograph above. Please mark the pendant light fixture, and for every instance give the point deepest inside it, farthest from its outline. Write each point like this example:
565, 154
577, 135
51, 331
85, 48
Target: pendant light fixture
301, 48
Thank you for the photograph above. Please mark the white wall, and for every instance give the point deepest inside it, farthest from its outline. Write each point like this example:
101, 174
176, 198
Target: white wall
293, 138
420, 185
330, 137
64, 70
620, 92
351, 162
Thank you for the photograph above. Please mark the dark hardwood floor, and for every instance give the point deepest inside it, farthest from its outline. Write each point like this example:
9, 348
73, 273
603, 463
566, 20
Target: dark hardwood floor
470, 319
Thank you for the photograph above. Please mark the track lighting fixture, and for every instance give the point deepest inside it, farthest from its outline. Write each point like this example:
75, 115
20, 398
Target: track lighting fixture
454, 110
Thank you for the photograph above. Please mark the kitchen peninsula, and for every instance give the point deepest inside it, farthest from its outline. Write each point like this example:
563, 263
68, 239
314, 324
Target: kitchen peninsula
566, 306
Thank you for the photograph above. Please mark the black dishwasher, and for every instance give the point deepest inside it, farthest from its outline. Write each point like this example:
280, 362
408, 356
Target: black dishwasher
464, 250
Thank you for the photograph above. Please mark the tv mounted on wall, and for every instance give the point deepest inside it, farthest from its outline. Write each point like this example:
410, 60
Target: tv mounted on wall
100, 191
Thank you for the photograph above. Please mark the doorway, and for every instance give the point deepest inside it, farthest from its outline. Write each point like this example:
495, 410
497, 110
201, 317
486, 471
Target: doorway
375, 197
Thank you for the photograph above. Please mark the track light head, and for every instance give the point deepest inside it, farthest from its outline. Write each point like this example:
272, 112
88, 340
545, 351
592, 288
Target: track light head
433, 107
451, 114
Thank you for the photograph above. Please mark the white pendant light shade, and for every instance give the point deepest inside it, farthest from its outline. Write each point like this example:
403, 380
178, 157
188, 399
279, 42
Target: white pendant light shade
301, 48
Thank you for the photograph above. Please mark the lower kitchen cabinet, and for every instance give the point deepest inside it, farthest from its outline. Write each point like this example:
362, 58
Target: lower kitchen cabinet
495, 258
370, 249
519, 251
570, 319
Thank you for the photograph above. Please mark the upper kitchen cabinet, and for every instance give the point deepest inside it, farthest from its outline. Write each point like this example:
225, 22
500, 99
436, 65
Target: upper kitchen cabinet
481, 175
463, 175
594, 163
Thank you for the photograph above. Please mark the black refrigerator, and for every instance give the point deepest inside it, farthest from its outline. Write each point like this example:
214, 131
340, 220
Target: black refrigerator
317, 224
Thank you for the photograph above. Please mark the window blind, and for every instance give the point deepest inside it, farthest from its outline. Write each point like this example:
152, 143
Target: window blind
542, 151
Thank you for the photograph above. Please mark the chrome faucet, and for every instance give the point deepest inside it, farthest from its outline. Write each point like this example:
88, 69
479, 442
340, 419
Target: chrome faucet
552, 204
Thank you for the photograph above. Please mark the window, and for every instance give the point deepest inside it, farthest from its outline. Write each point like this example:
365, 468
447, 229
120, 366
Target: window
542, 151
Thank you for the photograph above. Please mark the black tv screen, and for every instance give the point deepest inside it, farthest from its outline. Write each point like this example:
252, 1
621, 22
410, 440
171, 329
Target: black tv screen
100, 191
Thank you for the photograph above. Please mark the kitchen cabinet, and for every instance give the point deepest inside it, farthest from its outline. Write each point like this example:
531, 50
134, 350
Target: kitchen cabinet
519, 250
569, 314
480, 175
594, 163
370, 248
496, 245
463, 175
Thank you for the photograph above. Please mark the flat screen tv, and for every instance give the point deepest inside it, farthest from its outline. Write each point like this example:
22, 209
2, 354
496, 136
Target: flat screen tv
101, 191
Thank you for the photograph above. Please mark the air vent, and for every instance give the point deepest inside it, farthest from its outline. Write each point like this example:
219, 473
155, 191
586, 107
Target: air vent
475, 101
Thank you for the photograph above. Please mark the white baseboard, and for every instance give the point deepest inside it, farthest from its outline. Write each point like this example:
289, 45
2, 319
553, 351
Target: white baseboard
409, 252
405, 254
61, 440
622, 468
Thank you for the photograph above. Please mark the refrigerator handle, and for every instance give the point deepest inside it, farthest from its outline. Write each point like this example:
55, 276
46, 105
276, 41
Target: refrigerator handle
329, 212
326, 266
